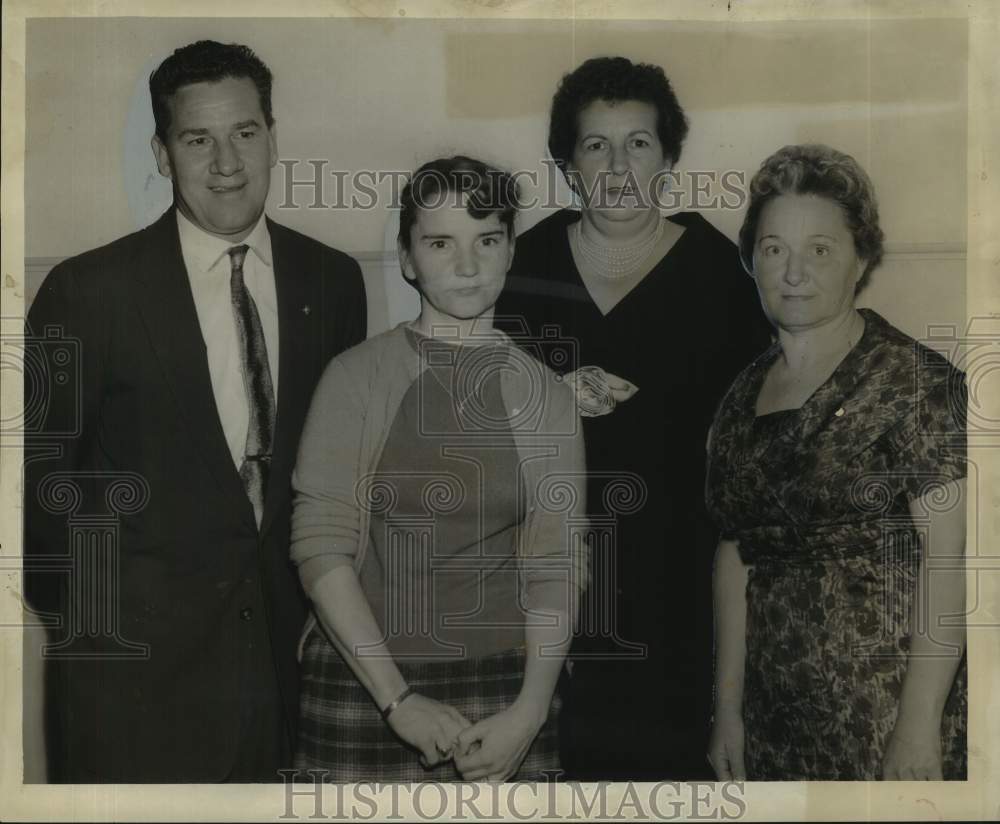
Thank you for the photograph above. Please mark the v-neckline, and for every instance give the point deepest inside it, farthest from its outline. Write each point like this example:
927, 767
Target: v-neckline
568, 251
769, 357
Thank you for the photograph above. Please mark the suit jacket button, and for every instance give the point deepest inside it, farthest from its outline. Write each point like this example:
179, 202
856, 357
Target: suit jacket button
246, 613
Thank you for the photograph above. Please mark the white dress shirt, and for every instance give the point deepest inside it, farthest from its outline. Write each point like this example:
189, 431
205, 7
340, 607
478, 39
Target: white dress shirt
209, 268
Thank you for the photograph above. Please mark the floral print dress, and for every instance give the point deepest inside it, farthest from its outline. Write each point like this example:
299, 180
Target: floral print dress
819, 500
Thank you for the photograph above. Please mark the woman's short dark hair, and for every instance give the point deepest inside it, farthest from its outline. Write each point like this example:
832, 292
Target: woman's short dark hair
614, 79
490, 191
206, 62
815, 169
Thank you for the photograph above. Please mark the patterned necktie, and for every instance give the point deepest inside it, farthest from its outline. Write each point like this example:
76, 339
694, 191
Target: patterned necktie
257, 382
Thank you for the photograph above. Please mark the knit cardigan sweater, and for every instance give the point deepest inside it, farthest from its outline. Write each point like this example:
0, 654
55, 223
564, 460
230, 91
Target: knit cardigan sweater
352, 411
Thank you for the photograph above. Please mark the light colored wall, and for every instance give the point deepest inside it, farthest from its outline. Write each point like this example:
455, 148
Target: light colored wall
387, 94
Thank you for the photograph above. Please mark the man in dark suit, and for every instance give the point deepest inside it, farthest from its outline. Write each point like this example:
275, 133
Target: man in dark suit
158, 494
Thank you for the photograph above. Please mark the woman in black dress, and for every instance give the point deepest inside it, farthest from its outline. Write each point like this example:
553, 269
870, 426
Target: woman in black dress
836, 473
661, 316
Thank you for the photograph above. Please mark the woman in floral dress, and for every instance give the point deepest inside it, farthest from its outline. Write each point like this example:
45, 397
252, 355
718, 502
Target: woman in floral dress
836, 467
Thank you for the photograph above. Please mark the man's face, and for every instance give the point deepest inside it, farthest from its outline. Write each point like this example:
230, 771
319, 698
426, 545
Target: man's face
219, 154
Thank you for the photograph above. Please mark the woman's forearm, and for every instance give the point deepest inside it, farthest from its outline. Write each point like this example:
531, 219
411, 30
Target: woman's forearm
729, 596
548, 635
553, 595
936, 651
345, 615
938, 630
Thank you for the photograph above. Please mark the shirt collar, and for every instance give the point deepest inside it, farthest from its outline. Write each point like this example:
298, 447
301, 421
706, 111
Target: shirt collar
205, 250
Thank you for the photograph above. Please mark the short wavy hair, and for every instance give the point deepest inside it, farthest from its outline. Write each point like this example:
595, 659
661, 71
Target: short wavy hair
206, 61
614, 79
490, 191
815, 169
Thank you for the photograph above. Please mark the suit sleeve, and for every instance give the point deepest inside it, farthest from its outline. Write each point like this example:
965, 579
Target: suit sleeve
62, 392
354, 317
343, 300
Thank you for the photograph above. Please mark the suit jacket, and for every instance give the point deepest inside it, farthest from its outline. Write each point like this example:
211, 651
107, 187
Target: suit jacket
179, 618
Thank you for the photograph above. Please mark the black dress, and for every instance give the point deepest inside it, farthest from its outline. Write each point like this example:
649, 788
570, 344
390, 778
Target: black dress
819, 500
640, 692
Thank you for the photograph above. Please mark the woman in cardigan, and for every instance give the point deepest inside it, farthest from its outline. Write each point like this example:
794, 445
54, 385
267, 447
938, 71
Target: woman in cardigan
837, 476
436, 503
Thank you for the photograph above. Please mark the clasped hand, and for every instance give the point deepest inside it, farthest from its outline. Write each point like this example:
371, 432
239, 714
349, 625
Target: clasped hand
429, 726
491, 750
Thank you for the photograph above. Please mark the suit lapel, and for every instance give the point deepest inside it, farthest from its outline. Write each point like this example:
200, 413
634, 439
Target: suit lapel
296, 321
168, 311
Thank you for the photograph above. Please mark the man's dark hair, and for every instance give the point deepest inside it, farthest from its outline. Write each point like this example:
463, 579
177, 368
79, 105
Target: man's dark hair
206, 62
615, 80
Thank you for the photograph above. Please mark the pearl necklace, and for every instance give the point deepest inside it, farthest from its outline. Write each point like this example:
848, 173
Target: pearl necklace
615, 262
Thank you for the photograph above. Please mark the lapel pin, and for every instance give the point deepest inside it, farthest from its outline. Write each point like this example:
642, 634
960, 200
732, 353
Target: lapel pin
840, 412
306, 310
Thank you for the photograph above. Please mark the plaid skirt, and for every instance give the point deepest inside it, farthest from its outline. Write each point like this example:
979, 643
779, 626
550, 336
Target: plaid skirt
342, 733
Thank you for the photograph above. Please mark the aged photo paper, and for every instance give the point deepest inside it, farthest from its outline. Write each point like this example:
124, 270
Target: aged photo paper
907, 88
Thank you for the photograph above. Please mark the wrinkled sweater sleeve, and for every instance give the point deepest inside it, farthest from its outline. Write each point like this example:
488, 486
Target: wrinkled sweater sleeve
555, 557
326, 513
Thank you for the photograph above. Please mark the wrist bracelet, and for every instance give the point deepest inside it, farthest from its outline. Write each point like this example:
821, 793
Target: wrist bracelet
391, 708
